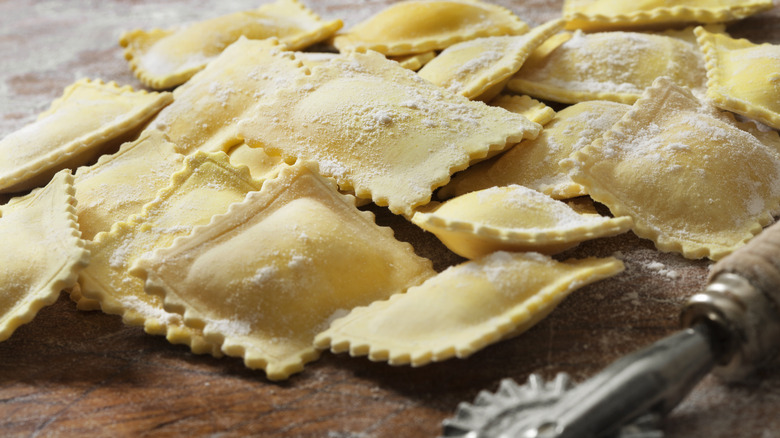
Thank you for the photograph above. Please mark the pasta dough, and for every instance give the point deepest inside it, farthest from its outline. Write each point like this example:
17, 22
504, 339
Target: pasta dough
616, 66
479, 68
417, 26
621, 14
166, 58
119, 185
83, 123
46, 254
694, 181
205, 187
743, 77
512, 218
534, 163
263, 279
463, 309
380, 130
206, 109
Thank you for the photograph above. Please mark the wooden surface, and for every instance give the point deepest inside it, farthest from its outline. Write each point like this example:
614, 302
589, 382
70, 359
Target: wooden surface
85, 373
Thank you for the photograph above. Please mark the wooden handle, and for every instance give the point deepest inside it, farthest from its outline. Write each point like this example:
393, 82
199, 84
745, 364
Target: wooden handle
758, 262
742, 305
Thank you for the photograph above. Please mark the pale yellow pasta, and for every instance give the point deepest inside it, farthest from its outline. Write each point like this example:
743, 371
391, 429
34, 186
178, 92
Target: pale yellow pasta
380, 130
622, 14
206, 109
205, 187
694, 180
479, 68
264, 278
89, 119
616, 66
44, 251
743, 77
512, 218
463, 309
534, 163
419, 26
119, 185
167, 58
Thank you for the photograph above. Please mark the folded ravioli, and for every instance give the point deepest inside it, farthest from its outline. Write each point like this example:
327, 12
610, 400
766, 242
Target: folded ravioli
416, 61
89, 118
167, 58
418, 26
380, 130
260, 164
743, 77
43, 251
479, 68
205, 110
534, 163
694, 180
616, 66
512, 218
119, 185
620, 14
526, 106
463, 309
267, 276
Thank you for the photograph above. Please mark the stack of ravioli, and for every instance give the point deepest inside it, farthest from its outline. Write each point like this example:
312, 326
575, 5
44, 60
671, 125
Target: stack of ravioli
221, 207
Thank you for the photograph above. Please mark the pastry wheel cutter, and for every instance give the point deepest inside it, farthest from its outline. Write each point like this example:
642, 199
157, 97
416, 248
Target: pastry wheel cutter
731, 328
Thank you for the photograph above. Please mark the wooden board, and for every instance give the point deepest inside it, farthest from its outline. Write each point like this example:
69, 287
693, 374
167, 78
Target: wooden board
85, 373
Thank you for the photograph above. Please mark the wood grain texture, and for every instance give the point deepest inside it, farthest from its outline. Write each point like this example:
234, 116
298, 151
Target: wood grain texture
71, 373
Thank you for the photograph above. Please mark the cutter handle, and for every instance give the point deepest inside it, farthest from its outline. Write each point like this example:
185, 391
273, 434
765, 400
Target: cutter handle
742, 304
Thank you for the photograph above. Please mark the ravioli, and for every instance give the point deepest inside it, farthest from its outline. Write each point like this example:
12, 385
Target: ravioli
694, 180
260, 164
205, 187
418, 26
166, 58
264, 278
616, 66
479, 68
119, 185
45, 252
89, 119
512, 218
205, 110
380, 130
534, 163
416, 61
463, 309
526, 106
620, 14
743, 77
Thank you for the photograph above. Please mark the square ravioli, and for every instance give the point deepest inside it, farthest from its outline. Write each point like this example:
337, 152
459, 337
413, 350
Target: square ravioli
463, 309
616, 66
535, 163
381, 130
267, 276
205, 110
743, 77
621, 14
206, 186
119, 184
693, 179
89, 118
418, 26
166, 58
45, 251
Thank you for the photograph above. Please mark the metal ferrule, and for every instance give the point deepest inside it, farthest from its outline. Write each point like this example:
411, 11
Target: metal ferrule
745, 319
